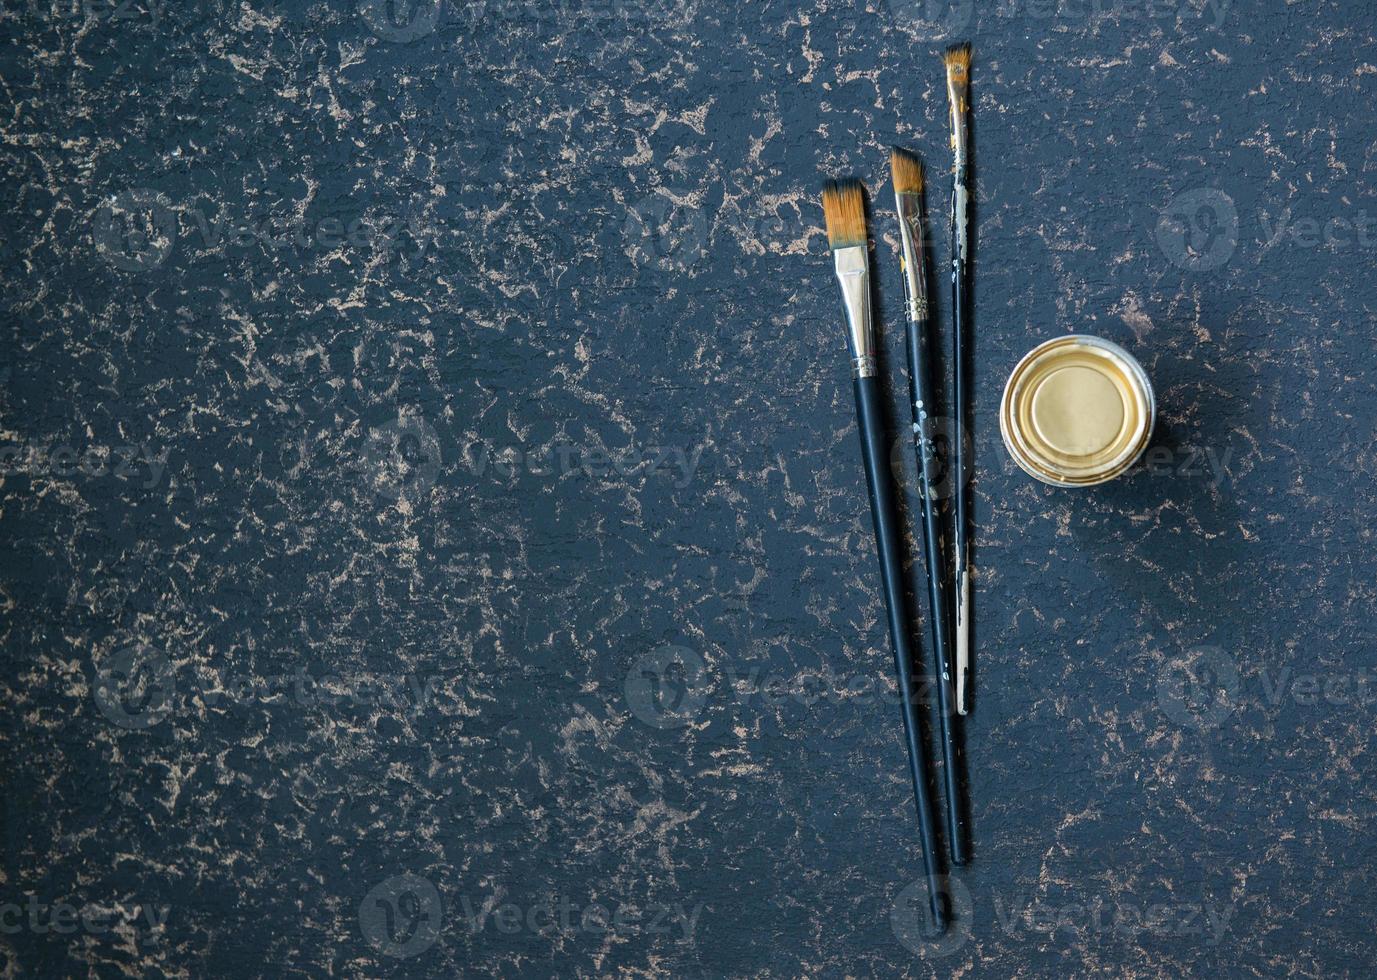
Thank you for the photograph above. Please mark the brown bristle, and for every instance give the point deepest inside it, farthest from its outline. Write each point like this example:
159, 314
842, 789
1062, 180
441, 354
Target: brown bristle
958, 59
907, 171
843, 205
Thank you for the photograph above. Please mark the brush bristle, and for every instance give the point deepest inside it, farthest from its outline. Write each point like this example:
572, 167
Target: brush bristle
843, 205
958, 59
907, 171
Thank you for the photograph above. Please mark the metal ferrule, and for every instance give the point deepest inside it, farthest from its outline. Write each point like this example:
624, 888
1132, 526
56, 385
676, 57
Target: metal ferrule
853, 273
910, 208
957, 89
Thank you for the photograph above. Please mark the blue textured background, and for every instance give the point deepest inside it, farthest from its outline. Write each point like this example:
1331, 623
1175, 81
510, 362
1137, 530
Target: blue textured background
483, 363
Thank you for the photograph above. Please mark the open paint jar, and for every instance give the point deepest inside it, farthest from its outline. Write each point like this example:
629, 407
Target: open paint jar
1077, 411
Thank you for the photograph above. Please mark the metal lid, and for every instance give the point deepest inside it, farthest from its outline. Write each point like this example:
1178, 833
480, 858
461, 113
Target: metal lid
1077, 411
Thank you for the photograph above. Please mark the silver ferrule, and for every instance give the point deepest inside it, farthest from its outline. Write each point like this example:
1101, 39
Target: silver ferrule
853, 272
957, 90
910, 208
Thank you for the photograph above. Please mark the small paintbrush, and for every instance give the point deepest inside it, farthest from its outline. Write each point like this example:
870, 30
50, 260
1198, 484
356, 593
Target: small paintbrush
907, 172
843, 205
958, 62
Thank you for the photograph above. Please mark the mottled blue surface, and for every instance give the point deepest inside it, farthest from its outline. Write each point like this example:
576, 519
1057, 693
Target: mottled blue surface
435, 537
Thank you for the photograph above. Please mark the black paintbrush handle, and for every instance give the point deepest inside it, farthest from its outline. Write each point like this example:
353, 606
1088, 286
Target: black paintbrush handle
920, 389
961, 410
887, 535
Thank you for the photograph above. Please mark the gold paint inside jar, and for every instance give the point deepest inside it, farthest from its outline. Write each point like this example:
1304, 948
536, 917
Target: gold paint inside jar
1077, 411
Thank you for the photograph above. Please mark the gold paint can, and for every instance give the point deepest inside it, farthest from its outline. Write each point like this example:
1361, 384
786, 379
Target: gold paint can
1077, 411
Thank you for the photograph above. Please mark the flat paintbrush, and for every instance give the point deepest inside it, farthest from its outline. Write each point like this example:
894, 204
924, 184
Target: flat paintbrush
907, 172
843, 205
958, 63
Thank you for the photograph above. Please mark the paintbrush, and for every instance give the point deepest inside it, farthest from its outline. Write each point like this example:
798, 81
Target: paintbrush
907, 173
843, 205
958, 62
